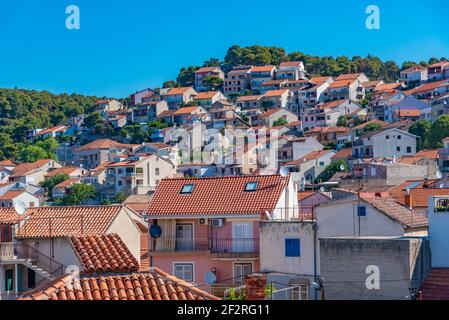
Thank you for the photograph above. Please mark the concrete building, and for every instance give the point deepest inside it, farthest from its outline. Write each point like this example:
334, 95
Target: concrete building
261, 74
292, 70
237, 80
148, 111
414, 76
204, 72
176, 97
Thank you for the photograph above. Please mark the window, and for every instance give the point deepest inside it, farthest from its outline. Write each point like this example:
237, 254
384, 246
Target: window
187, 188
156, 171
361, 211
321, 163
140, 170
387, 137
409, 149
292, 248
398, 149
251, 186
300, 292
399, 137
183, 271
31, 279
240, 271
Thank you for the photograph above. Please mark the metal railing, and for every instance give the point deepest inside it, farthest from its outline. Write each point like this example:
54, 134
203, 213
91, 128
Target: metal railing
174, 244
297, 213
214, 245
13, 251
234, 245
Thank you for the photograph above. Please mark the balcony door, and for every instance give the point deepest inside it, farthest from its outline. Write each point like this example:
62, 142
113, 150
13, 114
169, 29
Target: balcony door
184, 237
242, 237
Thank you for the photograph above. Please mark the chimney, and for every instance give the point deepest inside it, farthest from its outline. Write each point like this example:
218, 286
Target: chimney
255, 286
408, 201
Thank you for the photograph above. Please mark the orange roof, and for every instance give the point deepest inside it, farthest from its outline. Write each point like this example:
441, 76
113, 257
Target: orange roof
441, 63
319, 80
68, 221
7, 163
428, 86
290, 64
314, 155
408, 113
348, 76
67, 183
344, 153
414, 69
53, 129
104, 253
153, 285
185, 110
419, 194
340, 83
64, 170
267, 68
372, 84
178, 91
206, 95
269, 112
429, 154
375, 121
275, 93
8, 216
388, 86
305, 194
217, 196
249, 98
436, 285
208, 69
101, 144
327, 130
331, 104
24, 168
12, 194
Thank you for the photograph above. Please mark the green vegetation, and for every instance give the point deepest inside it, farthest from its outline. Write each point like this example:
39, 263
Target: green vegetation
421, 128
330, 170
280, 122
212, 83
44, 149
372, 127
431, 134
78, 194
53, 181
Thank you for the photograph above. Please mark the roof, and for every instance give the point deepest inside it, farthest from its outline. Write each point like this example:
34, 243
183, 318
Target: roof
349, 76
331, 104
290, 64
65, 170
397, 212
327, 129
363, 125
419, 194
270, 112
208, 69
154, 285
319, 80
104, 253
414, 69
67, 221
314, 155
59, 128
25, 168
428, 86
305, 194
8, 216
436, 285
206, 95
217, 196
101, 144
67, 183
275, 93
12, 194
344, 153
185, 110
249, 98
7, 163
178, 91
429, 154
138, 203
267, 68
441, 63
340, 83
372, 84
408, 113
388, 86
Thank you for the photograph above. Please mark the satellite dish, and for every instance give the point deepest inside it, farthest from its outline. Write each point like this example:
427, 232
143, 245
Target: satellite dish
20, 207
210, 278
284, 171
438, 174
342, 167
322, 189
441, 185
155, 231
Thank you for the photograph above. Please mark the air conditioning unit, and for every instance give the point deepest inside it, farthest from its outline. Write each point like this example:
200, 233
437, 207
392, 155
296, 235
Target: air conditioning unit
202, 221
217, 223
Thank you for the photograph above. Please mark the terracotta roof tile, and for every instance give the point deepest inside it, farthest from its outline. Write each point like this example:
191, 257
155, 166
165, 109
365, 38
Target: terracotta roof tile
45, 222
436, 285
104, 253
8, 216
419, 195
153, 285
7, 163
178, 91
314, 155
215, 196
208, 69
267, 68
206, 95
344, 153
101, 144
408, 113
24, 168
66, 170
275, 93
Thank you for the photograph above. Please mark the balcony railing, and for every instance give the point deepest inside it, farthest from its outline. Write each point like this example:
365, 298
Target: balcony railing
173, 244
234, 245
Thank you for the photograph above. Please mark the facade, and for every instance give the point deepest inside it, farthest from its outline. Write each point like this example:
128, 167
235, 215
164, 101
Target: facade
237, 80
276, 99
203, 72
177, 97
292, 70
261, 74
269, 117
148, 111
207, 98
414, 76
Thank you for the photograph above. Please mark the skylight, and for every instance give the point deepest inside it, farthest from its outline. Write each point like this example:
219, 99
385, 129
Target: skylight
251, 186
187, 188
413, 185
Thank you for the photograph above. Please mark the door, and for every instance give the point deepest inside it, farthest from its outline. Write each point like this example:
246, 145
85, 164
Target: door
9, 280
184, 237
242, 237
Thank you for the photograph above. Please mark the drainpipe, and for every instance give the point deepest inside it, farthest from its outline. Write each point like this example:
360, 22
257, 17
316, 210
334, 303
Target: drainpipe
315, 276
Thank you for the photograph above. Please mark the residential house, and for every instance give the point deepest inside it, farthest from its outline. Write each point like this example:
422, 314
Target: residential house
327, 135
61, 189
371, 86
310, 92
346, 86
438, 71
414, 76
385, 143
276, 99
177, 97
273, 85
292, 70
93, 154
249, 102
237, 80
202, 73
431, 90
118, 121
6, 168
148, 111
137, 97
107, 105
55, 132
72, 172
33, 173
207, 98
211, 225
22, 197
139, 174
411, 115
261, 74
186, 115
269, 118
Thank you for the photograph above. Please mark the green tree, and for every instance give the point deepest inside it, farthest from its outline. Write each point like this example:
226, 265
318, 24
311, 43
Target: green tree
438, 131
78, 194
280, 122
421, 128
33, 153
372, 127
332, 169
49, 145
212, 62
186, 76
53, 181
212, 83
93, 120
169, 84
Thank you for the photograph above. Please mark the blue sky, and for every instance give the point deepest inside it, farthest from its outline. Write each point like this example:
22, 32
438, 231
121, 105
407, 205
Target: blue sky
124, 46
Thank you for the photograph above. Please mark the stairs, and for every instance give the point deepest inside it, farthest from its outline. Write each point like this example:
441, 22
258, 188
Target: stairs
29, 264
436, 285
144, 261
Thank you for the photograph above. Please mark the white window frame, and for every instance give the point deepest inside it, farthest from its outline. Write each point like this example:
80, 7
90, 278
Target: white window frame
175, 263
234, 276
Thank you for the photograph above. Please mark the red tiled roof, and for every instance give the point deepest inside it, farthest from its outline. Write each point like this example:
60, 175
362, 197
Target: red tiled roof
249, 98
372, 84
341, 83
408, 113
269, 113
10, 195
178, 91
47, 222
348, 76
344, 153
101, 144
275, 93
53, 129
208, 69
104, 253
185, 110
397, 212
419, 195
428, 87
327, 130
219, 195
290, 64
436, 285
363, 125
206, 95
154, 285
8, 216
429, 154
64, 170
309, 157
331, 104
7, 163
24, 168
267, 68
67, 183
319, 80
305, 194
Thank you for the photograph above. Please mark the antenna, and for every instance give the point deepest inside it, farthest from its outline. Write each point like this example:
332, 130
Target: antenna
284, 172
438, 174
20, 207
210, 278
